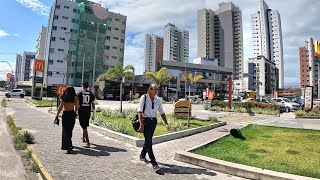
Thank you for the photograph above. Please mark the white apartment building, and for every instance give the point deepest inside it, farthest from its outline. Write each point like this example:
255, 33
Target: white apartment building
267, 37
220, 37
175, 44
40, 45
18, 69
26, 66
153, 52
63, 64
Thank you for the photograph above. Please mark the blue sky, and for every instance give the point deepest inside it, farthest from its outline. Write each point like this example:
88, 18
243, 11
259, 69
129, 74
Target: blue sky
21, 22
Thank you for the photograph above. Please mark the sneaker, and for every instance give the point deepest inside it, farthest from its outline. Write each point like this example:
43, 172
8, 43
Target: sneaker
156, 167
144, 159
70, 151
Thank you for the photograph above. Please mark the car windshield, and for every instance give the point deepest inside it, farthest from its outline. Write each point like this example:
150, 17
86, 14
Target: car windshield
287, 100
271, 100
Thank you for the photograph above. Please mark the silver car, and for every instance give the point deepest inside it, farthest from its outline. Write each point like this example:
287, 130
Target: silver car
290, 106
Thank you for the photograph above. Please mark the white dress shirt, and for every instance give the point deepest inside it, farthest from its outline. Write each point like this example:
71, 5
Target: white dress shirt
149, 112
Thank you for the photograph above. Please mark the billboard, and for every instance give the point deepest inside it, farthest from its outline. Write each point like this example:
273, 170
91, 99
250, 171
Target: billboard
308, 101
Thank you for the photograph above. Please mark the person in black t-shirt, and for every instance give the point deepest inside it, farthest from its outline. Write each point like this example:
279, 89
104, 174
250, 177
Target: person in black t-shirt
86, 102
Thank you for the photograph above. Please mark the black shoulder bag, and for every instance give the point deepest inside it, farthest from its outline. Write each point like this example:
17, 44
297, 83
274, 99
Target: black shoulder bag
135, 121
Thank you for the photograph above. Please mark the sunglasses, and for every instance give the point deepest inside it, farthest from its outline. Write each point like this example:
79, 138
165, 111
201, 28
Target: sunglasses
152, 105
154, 89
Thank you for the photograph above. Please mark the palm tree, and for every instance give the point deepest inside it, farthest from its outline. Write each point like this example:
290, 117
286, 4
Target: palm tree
189, 79
160, 77
118, 73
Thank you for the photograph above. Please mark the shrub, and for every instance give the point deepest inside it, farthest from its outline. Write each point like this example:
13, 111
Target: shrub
213, 118
19, 143
114, 126
4, 102
28, 137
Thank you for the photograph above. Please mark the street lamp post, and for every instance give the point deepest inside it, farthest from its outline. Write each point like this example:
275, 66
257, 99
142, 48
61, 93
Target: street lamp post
11, 69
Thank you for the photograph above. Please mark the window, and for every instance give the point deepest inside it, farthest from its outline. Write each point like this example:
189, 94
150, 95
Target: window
53, 38
122, 40
114, 57
56, 17
67, 7
63, 39
63, 28
73, 20
62, 50
124, 22
51, 50
117, 29
109, 28
116, 38
49, 73
57, 6
114, 47
64, 17
108, 37
59, 61
107, 47
71, 30
54, 28
109, 19
75, 10
50, 61
117, 19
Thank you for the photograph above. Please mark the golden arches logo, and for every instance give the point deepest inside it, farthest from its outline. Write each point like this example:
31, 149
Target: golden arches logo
39, 65
60, 89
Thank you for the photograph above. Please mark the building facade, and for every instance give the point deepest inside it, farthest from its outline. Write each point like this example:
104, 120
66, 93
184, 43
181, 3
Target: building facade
175, 44
26, 65
220, 37
309, 57
82, 41
18, 70
263, 76
153, 52
267, 37
40, 44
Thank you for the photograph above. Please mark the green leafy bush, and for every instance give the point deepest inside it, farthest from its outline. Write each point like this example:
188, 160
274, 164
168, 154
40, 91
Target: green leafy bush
28, 137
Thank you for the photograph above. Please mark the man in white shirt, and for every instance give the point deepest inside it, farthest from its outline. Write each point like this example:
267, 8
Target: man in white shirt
148, 122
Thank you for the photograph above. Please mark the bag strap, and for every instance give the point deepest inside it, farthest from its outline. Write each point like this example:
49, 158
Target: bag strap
144, 104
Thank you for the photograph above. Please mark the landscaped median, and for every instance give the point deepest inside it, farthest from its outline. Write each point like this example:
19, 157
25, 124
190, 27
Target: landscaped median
246, 107
41, 103
309, 115
266, 153
118, 125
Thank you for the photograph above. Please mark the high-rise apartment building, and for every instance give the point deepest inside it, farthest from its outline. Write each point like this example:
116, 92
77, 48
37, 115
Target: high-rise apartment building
175, 44
267, 37
40, 45
153, 52
82, 40
18, 69
309, 64
26, 66
220, 37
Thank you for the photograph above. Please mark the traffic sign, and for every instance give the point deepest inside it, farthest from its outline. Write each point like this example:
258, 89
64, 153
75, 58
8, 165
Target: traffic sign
9, 75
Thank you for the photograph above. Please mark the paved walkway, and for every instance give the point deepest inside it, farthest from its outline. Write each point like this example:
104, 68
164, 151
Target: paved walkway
10, 162
108, 158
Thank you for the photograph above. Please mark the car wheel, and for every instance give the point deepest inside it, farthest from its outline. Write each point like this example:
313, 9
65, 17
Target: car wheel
21, 95
287, 109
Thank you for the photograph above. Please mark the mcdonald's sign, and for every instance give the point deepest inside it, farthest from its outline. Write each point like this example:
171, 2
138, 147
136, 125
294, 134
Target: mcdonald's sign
60, 89
38, 65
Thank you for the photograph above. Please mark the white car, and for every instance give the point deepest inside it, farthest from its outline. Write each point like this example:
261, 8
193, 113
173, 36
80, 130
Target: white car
290, 106
16, 92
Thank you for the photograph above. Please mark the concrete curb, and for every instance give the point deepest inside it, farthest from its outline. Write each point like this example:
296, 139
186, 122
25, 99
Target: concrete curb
233, 168
230, 167
307, 117
158, 139
44, 173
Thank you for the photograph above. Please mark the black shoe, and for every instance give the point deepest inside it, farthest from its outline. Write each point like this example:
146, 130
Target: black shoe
144, 159
70, 151
156, 167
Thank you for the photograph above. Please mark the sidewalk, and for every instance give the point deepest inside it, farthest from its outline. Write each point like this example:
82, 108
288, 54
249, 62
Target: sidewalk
107, 158
10, 162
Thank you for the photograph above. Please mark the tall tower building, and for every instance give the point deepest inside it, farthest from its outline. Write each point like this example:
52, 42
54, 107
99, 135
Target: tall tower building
220, 37
18, 70
175, 44
153, 52
79, 37
267, 37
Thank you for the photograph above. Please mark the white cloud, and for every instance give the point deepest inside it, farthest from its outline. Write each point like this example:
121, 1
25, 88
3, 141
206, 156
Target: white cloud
3, 34
150, 16
36, 6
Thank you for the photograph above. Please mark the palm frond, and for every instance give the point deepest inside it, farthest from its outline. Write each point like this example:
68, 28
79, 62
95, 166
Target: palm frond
165, 79
161, 72
150, 75
129, 67
196, 78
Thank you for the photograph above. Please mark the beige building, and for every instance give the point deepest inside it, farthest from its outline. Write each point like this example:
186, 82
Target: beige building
153, 52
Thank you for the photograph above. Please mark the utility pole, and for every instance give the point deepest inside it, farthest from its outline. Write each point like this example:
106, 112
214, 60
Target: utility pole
84, 55
94, 59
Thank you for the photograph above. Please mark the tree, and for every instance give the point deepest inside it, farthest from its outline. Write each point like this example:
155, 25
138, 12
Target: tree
118, 73
160, 78
189, 79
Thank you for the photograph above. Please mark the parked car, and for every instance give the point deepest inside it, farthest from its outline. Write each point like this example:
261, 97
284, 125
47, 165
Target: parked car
290, 106
280, 106
247, 100
108, 96
16, 92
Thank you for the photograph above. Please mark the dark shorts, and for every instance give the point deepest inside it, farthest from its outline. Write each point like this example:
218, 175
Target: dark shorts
84, 118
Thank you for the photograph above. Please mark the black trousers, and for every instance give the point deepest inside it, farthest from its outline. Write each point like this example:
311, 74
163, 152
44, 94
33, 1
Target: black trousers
68, 121
149, 128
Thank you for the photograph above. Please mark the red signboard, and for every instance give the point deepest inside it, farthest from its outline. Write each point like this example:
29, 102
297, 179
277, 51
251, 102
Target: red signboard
9, 75
60, 89
38, 65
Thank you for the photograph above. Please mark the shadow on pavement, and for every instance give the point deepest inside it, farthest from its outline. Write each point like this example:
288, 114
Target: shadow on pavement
97, 150
174, 169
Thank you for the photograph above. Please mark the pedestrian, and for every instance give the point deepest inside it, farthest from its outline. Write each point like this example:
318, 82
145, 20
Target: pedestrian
148, 122
86, 102
69, 104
